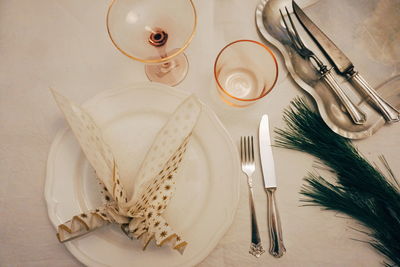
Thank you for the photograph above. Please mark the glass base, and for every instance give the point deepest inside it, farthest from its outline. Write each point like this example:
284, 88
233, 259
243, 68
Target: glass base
170, 73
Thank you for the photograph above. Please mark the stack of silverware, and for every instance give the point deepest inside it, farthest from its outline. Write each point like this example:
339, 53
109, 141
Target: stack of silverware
340, 63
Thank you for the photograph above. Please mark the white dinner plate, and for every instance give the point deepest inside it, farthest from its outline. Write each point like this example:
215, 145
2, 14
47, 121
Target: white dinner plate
207, 193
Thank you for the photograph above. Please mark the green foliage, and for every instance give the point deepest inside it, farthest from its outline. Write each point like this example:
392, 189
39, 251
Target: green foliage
359, 189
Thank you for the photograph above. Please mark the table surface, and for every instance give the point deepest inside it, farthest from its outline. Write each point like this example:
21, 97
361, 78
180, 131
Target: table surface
64, 45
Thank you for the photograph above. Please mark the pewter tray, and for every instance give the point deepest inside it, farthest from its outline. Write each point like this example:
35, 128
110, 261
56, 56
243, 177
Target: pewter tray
368, 32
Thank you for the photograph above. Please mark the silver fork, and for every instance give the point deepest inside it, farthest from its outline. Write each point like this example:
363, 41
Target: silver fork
248, 167
355, 113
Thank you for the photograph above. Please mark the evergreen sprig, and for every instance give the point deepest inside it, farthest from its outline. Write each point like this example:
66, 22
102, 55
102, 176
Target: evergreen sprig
359, 189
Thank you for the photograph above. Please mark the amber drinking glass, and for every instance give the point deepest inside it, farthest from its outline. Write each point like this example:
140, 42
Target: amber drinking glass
245, 71
156, 33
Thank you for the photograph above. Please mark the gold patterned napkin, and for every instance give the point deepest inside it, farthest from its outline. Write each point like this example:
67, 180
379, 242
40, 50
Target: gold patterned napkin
139, 210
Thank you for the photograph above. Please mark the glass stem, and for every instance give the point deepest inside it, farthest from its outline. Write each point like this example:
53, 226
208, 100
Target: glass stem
165, 66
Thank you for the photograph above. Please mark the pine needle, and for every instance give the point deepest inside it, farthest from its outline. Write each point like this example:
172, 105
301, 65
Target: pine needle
359, 189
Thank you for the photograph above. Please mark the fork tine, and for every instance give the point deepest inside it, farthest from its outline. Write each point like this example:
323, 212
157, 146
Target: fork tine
245, 149
300, 42
284, 20
241, 149
286, 24
289, 32
248, 149
252, 150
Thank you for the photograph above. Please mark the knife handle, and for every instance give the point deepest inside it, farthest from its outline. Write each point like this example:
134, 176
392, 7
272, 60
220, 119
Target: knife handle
389, 113
355, 113
276, 246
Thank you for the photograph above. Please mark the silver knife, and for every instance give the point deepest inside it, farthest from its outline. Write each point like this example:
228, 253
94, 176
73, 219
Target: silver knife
344, 66
277, 247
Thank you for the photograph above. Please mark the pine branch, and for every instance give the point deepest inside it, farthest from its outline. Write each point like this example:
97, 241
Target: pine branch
360, 190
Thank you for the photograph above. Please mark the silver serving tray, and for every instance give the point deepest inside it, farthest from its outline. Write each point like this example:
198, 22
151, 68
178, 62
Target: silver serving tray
368, 32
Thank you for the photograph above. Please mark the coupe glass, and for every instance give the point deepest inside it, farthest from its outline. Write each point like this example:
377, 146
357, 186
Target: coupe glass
245, 71
155, 32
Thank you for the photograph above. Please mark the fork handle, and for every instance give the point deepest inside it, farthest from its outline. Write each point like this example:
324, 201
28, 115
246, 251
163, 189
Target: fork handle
276, 246
256, 248
388, 112
355, 113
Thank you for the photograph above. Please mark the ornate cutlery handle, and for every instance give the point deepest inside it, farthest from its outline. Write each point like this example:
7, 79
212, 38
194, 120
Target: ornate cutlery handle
256, 248
389, 113
277, 248
355, 113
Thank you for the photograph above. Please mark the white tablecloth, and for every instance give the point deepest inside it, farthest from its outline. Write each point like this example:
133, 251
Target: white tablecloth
64, 45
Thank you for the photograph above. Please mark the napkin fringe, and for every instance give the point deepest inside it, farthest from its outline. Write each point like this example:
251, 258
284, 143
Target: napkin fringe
181, 247
137, 229
84, 223
77, 227
175, 243
147, 237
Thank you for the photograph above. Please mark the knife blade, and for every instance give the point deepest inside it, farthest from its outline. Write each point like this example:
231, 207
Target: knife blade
266, 157
344, 66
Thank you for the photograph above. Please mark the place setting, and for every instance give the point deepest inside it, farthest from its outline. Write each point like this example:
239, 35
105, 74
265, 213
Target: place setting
149, 175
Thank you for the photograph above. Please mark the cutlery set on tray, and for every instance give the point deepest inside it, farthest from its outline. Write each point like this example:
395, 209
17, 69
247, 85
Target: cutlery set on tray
342, 65
354, 112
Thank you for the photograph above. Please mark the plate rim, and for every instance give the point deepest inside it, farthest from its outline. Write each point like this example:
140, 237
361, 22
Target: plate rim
50, 168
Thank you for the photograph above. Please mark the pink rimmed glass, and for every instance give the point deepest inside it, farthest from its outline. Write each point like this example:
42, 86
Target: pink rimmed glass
245, 71
156, 33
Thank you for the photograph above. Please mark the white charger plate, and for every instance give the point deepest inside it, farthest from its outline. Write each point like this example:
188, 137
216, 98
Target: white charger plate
207, 193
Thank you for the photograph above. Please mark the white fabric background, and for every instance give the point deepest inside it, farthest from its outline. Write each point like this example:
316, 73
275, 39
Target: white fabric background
64, 44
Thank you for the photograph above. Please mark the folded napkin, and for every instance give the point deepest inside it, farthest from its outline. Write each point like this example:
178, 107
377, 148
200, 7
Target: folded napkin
139, 208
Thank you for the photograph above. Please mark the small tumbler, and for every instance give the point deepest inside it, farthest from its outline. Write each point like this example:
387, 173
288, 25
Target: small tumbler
245, 71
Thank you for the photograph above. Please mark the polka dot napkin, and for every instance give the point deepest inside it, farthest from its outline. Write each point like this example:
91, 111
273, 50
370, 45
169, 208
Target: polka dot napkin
140, 214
